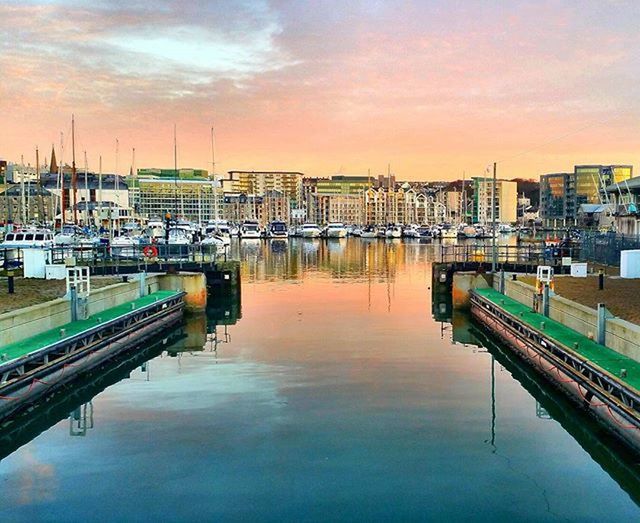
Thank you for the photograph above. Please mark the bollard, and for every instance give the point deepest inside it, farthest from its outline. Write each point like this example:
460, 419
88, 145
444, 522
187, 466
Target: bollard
10, 283
545, 300
601, 280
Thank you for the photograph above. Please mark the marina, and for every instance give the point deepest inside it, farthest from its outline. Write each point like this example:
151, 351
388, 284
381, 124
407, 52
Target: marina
263, 382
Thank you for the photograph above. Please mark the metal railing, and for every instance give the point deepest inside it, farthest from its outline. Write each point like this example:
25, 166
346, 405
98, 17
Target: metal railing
109, 259
529, 254
605, 248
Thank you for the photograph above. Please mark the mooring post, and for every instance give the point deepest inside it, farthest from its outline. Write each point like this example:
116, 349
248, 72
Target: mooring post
502, 282
10, 283
73, 296
600, 280
602, 323
545, 300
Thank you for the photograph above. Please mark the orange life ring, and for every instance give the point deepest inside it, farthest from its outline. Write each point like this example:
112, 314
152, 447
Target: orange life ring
150, 251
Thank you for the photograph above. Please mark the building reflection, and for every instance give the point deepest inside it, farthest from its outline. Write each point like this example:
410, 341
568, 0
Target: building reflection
81, 420
336, 258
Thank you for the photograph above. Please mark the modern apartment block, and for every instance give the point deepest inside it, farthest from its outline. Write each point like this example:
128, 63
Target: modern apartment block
505, 205
260, 183
342, 184
562, 194
558, 199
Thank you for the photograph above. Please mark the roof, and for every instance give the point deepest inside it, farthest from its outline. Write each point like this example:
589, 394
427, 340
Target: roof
594, 208
632, 184
50, 181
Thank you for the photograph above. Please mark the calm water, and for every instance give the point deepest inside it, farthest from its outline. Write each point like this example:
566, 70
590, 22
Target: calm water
328, 391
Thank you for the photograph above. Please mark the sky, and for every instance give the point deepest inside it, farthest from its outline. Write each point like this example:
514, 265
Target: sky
433, 88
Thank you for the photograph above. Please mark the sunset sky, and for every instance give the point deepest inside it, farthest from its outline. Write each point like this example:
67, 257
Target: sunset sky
433, 87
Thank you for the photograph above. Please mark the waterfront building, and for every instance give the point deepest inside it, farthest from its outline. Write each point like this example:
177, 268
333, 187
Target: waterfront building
342, 184
39, 204
591, 181
505, 204
625, 198
17, 173
276, 206
190, 197
289, 183
558, 199
345, 208
238, 207
105, 188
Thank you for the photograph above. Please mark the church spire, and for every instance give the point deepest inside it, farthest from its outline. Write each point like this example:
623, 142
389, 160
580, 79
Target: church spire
53, 168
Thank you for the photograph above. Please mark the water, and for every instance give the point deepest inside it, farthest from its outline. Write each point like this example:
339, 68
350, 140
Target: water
327, 392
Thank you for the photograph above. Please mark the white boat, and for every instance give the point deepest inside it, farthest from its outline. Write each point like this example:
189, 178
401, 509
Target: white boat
220, 229
336, 230
277, 229
310, 230
179, 236
395, 231
356, 231
447, 232
381, 232
506, 228
213, 240
155, 229
369, 232
250, 230
125, 246
425, 233
411, 231
28, 239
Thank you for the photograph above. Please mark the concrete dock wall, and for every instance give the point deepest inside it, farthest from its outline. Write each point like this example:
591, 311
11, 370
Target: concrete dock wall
29, 321
621, 335
463, 283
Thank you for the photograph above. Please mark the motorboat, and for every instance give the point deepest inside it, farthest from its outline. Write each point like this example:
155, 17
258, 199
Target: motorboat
369, 232
219, 229
506, 228
468, 231
155, 229
73, 236
28, 239
250, 230
356, 231
213, 240
381, 232
336, 230
125, 246
393, 231
278, 230
310, 230
411, 231
447, 232
424, 233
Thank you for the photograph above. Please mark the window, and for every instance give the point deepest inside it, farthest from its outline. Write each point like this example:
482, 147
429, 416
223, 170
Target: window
28, 237
19, 237
39, 237
9, 237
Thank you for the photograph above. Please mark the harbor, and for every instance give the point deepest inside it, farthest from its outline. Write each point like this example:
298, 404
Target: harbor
261, 377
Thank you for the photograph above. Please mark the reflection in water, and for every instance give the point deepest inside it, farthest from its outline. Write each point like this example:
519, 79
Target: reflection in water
550, 404
327, 392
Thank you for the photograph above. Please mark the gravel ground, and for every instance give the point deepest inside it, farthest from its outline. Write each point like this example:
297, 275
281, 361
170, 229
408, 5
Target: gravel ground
30, 291
620, 296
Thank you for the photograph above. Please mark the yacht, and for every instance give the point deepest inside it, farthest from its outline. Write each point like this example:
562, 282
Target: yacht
219, 229
381, 232
369, 232
212, 239
336, 230
506, 228
447, 232
411, 231
424, 233
250, 230
310, 230
394, 231
28, 239
125, 246
155, 229
277, 229
73, 236
356, 231
179, 236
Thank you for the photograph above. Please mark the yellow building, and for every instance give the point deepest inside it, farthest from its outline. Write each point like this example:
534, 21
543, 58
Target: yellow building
506, 201
260, 183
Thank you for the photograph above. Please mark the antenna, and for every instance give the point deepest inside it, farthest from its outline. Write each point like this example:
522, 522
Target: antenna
74, 175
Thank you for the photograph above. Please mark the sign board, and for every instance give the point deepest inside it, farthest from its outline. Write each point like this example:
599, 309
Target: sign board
566, 261
579, 270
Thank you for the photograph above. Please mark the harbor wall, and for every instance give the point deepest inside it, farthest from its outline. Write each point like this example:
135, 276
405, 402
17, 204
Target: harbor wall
463, 283
29, 321
621, 335
193, 283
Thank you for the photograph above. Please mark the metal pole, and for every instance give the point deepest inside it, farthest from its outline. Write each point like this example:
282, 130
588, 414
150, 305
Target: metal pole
494, 257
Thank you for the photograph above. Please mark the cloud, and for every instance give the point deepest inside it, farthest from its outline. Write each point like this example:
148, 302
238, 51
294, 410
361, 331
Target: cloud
311, 85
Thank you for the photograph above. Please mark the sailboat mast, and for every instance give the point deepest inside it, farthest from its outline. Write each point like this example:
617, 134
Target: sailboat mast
86, 190
215, 179
100, 192
23, 208
175, 171
74, 174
